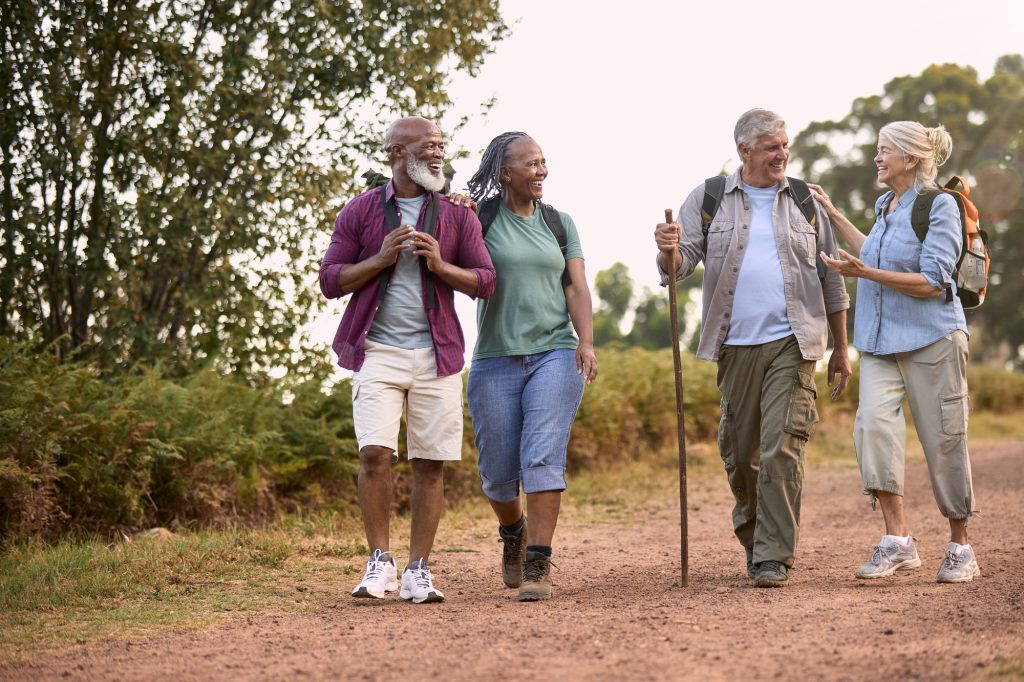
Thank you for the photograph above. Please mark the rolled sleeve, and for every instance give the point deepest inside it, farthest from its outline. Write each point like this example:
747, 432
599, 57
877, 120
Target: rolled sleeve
833, 287
473, 255
691, 243
943, 243
343, 250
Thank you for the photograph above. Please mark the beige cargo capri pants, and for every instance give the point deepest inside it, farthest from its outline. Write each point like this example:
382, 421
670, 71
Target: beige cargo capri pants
934, 381
768, 413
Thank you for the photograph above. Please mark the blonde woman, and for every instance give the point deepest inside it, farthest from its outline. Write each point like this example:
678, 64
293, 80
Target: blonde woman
913, 344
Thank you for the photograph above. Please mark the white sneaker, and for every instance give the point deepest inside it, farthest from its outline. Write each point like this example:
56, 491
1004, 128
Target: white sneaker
418, 585
958, 566
887, 558
381, 576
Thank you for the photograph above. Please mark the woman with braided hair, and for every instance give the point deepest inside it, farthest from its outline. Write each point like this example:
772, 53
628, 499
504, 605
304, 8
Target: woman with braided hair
534, 352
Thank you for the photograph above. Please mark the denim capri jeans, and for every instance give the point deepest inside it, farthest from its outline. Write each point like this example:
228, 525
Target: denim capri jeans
522, 408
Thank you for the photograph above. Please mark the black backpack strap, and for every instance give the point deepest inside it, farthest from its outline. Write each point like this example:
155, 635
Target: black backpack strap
391, 221
487, 211
801, 194
921, 212
919, 219
554, 223
802, 197
714, 189
429, 226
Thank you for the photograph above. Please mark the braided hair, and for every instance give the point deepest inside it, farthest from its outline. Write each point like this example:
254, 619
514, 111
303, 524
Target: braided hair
486, 182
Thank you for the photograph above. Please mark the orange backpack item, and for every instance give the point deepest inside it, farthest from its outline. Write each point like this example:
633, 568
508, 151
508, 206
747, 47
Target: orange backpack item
972, 267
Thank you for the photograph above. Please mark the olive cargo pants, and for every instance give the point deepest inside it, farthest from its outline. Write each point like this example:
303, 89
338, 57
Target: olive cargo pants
768, 413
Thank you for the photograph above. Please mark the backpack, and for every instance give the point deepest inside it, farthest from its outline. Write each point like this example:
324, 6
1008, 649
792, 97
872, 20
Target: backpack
714, 190
487, 211
972, 266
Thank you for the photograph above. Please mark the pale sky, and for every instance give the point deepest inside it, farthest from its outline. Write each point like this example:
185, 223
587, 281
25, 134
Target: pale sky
634, 103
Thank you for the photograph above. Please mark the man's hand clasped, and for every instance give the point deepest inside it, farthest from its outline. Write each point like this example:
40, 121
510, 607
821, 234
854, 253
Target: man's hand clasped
666, 236
394, 244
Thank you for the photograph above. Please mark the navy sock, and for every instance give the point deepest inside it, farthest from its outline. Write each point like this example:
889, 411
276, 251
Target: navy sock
515, 528
540, 549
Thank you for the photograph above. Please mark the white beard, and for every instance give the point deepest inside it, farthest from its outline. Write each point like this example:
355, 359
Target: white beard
420, 173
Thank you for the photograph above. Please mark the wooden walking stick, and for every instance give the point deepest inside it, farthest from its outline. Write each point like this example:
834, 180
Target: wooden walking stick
684, 558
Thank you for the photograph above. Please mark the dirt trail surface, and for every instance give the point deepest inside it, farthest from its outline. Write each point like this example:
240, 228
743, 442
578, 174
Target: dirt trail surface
617, 613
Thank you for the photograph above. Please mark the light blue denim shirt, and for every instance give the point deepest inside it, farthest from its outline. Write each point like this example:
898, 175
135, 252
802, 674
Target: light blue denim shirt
888, 321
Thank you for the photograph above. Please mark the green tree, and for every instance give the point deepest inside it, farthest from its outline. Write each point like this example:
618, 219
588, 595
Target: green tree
986, 121
614, 289
166, 163
652, 323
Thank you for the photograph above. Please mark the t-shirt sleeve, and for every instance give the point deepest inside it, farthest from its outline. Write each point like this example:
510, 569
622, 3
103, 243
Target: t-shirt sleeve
573, 248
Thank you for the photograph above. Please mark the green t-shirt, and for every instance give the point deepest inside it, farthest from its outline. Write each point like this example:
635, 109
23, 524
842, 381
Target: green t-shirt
527, 312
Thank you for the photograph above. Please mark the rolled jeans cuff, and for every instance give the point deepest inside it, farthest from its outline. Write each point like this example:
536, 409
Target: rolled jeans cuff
544, 479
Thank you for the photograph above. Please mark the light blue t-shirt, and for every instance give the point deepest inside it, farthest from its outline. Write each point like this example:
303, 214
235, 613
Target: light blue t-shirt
759, 306
401, 320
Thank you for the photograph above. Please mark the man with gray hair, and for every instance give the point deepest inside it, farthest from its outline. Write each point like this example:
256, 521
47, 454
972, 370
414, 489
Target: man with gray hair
401, 337
768, 304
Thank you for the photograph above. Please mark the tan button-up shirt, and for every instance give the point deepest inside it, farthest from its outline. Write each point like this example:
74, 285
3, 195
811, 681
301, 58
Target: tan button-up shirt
808, 298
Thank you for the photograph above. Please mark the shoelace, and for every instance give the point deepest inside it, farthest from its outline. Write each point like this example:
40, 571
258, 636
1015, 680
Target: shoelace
374, 569
534, 570
876, 555
954, 560
422, 577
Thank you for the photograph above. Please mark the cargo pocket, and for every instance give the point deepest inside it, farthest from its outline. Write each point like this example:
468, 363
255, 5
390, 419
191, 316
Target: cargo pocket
954, 414
802, 413
726, 437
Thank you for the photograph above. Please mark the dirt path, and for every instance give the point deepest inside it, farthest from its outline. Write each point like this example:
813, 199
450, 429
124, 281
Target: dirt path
616, 614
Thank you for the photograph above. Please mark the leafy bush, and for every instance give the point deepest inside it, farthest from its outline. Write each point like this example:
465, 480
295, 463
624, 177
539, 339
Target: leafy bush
630, 410
85, 452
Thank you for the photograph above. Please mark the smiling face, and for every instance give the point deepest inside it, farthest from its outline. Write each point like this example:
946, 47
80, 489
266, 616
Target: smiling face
895, 168
764, 164
417, 153
524, 171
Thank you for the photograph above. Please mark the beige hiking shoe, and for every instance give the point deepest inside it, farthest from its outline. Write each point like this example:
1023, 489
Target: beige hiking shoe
536, 577
958, 565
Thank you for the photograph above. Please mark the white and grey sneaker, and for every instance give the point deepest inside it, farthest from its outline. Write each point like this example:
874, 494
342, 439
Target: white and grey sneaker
959, 565
418, 584
381, 576
888, 557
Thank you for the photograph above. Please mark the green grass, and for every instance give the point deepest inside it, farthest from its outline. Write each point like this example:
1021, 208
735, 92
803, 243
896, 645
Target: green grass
55, 595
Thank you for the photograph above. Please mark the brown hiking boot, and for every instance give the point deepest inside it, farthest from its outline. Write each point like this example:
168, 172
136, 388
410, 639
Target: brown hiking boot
536, 577
512, 556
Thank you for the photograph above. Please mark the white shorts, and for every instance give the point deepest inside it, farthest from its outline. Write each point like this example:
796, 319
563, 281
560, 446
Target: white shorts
395, 377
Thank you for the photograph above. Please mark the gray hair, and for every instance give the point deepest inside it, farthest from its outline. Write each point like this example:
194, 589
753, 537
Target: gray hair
755, 123
486, 181
930, 146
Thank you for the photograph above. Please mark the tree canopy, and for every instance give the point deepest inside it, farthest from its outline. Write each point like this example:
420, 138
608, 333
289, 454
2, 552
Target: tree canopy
986, 122
651, 324
165, 163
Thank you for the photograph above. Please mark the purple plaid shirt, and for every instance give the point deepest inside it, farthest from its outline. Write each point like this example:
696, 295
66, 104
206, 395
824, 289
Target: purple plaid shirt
359, 232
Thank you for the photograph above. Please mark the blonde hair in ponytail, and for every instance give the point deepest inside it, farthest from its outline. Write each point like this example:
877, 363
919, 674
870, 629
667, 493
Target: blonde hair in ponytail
930, 146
